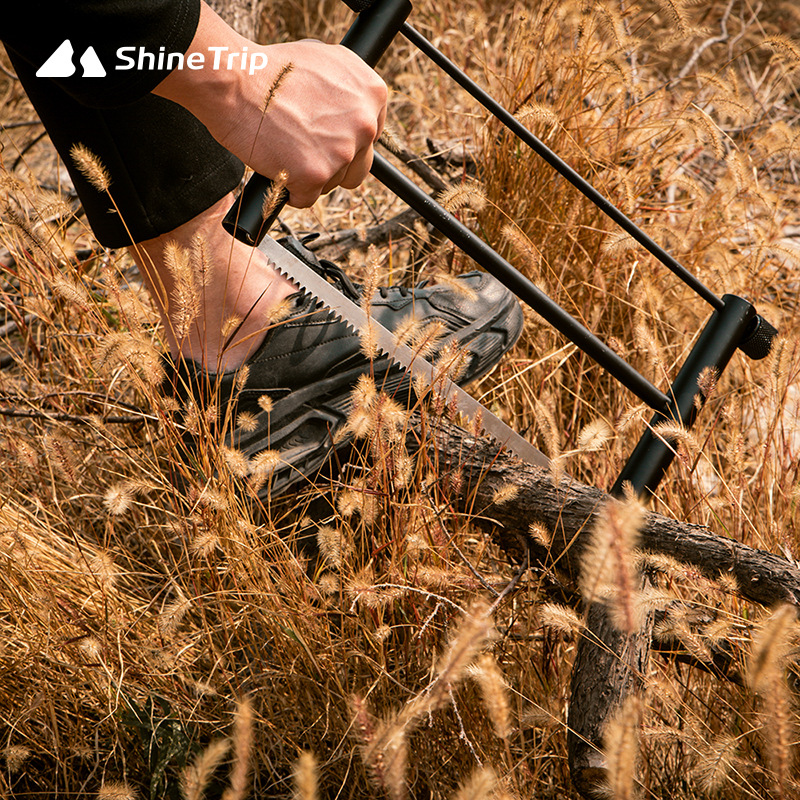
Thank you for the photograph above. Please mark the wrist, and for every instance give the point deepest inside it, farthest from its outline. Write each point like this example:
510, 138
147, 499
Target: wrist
213, 67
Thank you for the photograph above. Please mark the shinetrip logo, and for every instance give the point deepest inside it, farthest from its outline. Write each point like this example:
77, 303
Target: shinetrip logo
62, 65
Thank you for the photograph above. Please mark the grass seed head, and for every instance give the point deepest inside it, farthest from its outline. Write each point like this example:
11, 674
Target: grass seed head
117, 790
467, 195
305, 777
204, 543
408, 329
201, 260
494, 691
714, 763
525, 249
62, 456
172, 615
458, 287
369, 341
594, 435
15, 756
771, 642
540, 533
103, 568
621, 747
196, 777
617, 243
608, 568
71, 290
470, 636
118, 498
90, 166
247, 421
274, 196
479, 786
276, 84
279, 312
186, 294
560, 619
263, 464
785, 47
330, 543
242, 745
236, 461
427, 338
539, 114
504, 494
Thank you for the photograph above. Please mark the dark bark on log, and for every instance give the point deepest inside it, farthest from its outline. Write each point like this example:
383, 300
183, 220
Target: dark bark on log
457, 154
608, 669
569, 510
416, 163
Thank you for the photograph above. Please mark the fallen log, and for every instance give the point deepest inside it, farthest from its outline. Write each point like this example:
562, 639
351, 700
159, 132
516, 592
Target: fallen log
569, 509
609, 664
506, 496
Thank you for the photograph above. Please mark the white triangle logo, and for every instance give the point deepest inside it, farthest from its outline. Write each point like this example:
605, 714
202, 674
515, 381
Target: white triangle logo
92, 68
59, 65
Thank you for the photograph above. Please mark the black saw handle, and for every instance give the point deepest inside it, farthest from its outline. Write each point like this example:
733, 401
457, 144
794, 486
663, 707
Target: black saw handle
368, 37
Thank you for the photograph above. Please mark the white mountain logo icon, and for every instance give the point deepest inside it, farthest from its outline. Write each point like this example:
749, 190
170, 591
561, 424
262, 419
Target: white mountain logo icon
60, 64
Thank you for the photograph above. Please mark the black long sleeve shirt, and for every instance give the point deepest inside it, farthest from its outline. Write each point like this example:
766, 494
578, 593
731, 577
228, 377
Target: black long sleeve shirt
33, 30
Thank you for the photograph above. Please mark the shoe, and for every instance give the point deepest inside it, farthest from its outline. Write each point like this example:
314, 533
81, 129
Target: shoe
295, 391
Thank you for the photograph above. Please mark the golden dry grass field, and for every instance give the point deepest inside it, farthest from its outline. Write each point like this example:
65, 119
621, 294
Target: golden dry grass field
158, 638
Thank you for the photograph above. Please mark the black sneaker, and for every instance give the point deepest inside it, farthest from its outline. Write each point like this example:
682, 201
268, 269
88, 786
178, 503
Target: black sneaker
294, 393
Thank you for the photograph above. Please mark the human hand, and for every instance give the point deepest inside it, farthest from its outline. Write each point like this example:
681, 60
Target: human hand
320, 125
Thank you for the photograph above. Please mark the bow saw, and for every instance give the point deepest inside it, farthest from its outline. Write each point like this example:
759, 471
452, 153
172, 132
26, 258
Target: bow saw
734, 323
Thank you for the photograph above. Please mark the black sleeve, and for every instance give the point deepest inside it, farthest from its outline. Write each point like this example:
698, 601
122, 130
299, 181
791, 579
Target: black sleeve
35, 29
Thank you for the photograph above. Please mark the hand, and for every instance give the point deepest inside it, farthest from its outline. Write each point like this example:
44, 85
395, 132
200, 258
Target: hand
321, 123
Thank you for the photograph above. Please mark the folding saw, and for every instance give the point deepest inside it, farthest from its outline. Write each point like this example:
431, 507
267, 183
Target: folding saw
734, 324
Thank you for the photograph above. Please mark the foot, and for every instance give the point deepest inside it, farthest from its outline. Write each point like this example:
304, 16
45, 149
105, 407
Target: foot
294, 394
214, 293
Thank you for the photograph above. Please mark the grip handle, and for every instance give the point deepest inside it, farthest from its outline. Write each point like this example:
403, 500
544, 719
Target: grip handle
368, 37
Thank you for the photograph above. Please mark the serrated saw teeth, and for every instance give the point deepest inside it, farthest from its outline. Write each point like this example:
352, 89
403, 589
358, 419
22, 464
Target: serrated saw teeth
421, 370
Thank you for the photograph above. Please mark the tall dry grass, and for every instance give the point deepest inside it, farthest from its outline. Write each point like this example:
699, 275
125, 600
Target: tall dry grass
158, 639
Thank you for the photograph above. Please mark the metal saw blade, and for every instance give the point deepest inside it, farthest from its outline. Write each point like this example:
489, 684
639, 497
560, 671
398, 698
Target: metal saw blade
310, 281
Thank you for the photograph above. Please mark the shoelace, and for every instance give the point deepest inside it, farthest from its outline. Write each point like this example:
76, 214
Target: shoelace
352, 289
334, 273
384, 290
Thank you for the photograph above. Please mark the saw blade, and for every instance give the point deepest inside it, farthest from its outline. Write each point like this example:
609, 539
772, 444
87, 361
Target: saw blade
310, 281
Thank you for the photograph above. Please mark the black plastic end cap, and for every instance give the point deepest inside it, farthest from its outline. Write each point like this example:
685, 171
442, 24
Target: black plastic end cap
757, 341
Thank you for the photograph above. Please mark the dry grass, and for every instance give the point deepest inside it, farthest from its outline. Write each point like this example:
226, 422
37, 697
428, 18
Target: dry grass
164, 642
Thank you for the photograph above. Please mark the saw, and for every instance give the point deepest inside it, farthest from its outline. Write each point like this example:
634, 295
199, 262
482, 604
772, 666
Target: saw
296, 270
734, 324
